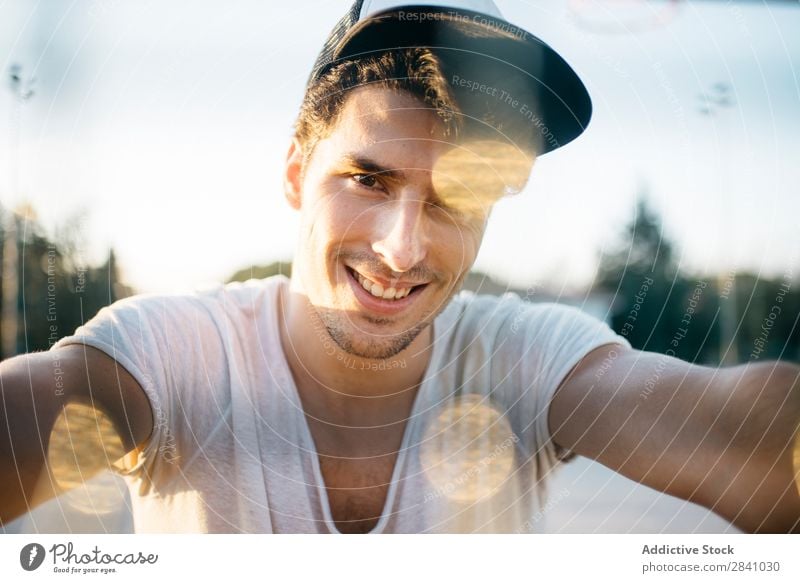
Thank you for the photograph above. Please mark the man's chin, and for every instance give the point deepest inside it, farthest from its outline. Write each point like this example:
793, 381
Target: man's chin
361, 344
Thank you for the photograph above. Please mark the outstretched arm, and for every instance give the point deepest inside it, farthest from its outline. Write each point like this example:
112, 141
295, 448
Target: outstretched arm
725, 438
34, 388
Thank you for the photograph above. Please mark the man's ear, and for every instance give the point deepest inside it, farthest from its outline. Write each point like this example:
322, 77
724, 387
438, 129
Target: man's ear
292, 174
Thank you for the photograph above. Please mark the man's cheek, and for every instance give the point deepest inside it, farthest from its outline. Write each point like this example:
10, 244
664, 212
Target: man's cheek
354, 225
461, 242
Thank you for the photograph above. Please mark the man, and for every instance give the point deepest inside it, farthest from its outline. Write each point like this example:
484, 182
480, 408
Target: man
367, 394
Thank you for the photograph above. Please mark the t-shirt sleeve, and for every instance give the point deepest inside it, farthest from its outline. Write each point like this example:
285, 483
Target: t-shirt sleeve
167, 343
549, 340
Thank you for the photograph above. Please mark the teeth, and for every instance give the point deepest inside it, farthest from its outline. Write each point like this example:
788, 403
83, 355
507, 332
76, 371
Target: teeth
378, 291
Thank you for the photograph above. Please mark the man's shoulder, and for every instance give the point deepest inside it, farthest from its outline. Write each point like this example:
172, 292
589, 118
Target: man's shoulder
249, 294
471, 305
203, 314
498, 318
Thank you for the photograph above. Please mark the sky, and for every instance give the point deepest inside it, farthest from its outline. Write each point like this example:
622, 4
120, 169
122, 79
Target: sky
160, 128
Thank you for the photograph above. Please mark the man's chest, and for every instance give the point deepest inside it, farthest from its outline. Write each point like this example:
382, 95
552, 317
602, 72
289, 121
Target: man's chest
357, 490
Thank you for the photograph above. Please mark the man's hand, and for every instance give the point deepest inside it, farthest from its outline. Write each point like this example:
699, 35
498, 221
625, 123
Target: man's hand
724, 438
33, 393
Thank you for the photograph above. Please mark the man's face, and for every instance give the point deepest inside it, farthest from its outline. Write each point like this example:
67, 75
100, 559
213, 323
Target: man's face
385, 239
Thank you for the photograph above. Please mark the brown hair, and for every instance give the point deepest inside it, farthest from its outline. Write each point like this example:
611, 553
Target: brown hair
424, 75
415, 70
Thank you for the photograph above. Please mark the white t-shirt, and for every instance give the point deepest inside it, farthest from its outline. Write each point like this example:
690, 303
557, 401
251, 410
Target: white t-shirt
231, 450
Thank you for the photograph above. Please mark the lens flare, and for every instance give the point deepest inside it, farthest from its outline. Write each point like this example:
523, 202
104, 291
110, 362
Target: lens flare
468, 450
797, 462
472, 177
83, 445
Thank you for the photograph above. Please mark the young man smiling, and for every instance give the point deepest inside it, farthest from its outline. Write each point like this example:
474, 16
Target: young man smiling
367, 394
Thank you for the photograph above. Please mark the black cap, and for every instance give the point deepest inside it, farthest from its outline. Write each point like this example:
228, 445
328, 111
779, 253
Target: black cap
483, 53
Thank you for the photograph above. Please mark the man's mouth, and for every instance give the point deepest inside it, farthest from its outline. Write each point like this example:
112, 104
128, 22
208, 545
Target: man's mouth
384, 290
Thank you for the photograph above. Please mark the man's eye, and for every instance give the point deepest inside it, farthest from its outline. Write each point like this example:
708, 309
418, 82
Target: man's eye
367, 180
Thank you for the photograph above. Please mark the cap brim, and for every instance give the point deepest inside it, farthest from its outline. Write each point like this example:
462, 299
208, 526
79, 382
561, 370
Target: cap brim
484, 47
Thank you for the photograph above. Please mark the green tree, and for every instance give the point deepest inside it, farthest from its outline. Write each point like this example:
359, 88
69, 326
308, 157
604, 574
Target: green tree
56, 292
653, 305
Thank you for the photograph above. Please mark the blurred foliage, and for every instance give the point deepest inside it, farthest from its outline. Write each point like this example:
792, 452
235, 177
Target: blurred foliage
56, 291
725, 318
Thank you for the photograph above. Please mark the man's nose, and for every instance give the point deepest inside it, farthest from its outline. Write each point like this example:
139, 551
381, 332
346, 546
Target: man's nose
402, 238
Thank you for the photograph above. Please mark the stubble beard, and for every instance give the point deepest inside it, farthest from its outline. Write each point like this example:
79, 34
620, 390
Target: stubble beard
347, 336
363, 345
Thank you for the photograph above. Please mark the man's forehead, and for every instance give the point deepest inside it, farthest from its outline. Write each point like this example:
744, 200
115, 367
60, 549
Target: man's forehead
380, 114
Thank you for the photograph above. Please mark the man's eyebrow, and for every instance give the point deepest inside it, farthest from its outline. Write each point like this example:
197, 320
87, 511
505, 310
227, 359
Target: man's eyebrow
372, 167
